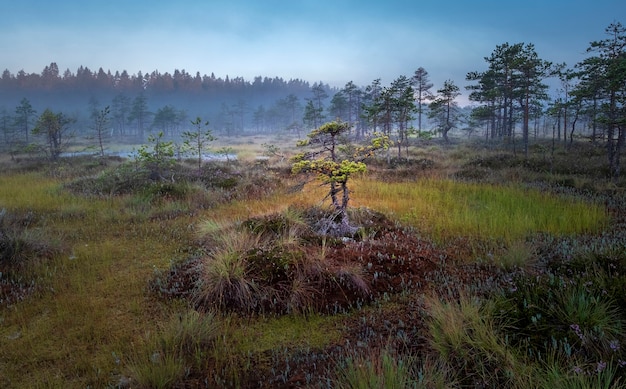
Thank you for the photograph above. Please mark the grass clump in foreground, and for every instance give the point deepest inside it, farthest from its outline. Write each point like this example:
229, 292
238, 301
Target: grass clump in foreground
384, 369
463, 334
271, 264
183, 343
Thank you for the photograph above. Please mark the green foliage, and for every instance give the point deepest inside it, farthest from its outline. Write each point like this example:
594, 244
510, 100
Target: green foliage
330, 171
158, 156
325, 159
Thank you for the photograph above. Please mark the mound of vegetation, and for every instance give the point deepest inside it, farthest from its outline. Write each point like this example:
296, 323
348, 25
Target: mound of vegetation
283, 263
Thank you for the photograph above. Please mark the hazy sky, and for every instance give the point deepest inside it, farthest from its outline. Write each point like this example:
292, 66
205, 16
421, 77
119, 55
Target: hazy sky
315, 40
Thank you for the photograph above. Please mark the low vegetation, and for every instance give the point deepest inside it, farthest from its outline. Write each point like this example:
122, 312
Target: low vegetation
464, 266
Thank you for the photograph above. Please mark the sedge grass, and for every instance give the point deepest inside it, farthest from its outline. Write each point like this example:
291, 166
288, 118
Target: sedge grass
377, 370
466, 339
446, 208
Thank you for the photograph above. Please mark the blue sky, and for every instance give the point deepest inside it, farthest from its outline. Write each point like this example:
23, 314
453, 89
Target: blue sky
330, 41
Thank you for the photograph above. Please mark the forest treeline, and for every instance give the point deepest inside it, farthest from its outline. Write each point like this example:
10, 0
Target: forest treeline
511, 101
80, 93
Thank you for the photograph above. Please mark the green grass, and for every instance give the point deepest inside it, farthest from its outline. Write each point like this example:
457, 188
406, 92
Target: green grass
446, 209
31, 191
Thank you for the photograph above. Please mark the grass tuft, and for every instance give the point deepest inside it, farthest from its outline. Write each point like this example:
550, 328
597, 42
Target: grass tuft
518, 255
465, 337
156, 370
383, 369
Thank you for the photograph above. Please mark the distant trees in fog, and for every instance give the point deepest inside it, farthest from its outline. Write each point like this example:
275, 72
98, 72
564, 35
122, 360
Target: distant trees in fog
156, 101
141, 104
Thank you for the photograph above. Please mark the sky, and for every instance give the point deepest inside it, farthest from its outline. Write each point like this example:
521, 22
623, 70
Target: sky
313, 40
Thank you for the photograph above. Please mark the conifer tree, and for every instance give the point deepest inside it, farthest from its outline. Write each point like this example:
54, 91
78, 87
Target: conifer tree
334, 161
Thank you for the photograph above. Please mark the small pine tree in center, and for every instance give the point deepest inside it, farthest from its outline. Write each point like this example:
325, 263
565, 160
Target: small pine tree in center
334, 160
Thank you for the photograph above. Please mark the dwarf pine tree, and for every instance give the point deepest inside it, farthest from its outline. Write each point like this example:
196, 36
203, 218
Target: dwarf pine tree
334, 161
